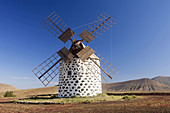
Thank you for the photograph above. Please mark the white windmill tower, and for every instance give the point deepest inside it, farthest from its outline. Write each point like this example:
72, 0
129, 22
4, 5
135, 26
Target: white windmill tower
80, 69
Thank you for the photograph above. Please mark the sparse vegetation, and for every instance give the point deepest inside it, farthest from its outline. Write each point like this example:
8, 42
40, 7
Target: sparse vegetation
126, 97
75, 99
133, 96
86, 101
74, 96
9, 94
102, 95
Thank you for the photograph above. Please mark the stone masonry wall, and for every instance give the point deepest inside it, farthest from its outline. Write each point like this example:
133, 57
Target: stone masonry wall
76, 79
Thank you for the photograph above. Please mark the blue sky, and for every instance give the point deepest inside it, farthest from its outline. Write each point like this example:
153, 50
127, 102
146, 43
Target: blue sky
138, 45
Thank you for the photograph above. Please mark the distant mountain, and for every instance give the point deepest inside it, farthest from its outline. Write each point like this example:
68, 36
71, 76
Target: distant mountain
144, 84
162, 79
6, 87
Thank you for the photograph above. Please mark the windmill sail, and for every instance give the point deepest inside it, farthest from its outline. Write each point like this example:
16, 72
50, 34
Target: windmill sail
108, 70
47, 70
54, 24
96, 28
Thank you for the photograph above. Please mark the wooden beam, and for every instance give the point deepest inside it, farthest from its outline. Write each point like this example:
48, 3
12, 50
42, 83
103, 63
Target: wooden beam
100, 25
73, 35
101, 68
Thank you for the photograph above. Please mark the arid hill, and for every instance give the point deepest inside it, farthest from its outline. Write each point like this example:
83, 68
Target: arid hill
36, 91
163, 80
6, 87
145, 84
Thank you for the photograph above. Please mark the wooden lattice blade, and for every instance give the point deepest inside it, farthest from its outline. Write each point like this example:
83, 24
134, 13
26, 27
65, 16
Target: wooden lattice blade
102, 69
54, 24
50, 68
47, 70
96, 28
100, 25
108, 71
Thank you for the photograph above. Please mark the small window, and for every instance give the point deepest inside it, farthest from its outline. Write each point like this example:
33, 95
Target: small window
69, 72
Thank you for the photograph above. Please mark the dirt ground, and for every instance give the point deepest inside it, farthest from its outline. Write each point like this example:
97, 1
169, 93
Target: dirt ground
146, 104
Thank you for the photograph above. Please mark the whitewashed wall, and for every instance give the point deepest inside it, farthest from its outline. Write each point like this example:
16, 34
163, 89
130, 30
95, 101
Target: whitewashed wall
81, 81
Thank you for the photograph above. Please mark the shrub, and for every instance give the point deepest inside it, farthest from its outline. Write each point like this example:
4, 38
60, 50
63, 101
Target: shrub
102, 94
74, 96
126, 97
9, 94
133, 96
54, 96
86, 101
84, 97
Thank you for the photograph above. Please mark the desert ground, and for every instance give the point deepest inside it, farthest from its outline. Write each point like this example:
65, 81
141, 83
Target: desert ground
147, 104
150, 100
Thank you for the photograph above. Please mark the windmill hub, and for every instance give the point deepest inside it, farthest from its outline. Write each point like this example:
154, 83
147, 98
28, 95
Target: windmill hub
80, 69
76, 47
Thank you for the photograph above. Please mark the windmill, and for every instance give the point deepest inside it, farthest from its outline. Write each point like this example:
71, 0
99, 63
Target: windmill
81, 70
